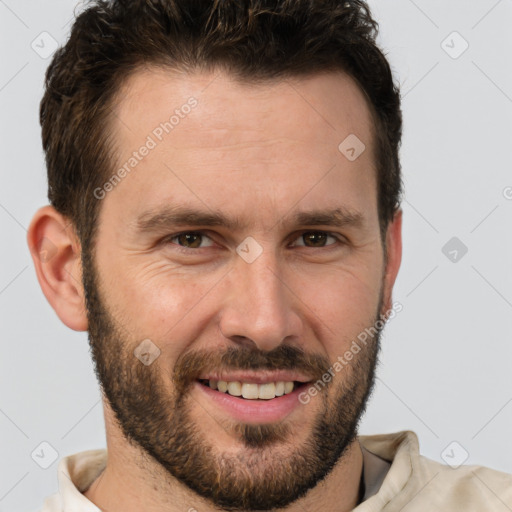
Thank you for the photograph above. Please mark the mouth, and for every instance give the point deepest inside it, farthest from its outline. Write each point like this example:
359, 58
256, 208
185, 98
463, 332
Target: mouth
253, 399
252, 391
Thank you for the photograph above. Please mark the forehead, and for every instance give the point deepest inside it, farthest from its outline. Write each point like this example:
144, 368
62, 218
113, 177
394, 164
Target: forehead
218, 142
308, 107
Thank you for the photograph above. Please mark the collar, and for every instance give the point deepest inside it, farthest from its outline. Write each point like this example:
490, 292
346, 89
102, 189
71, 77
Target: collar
77, 472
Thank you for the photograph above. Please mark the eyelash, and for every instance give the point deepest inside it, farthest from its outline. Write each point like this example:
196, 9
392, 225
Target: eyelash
179, 248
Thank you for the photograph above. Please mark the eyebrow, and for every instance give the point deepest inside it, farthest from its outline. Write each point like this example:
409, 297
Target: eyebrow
173, 216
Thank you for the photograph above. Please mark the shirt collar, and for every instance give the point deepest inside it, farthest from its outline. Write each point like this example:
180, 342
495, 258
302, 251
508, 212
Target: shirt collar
387, 467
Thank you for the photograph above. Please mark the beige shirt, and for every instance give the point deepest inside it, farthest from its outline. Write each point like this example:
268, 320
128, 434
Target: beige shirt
397, 478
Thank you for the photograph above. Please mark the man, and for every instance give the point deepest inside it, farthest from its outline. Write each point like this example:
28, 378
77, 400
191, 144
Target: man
225, 223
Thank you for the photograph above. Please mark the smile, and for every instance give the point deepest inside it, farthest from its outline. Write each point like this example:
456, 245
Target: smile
251, 390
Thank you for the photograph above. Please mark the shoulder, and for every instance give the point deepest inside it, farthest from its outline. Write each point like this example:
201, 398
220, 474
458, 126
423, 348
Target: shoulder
425, 484
470, 486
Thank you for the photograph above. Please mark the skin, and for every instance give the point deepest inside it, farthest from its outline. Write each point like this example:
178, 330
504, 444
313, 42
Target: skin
259, 152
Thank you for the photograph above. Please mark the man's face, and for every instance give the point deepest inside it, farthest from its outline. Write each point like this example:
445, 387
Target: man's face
273, 298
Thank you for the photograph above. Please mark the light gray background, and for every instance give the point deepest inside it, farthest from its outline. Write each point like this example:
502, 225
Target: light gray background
445, 371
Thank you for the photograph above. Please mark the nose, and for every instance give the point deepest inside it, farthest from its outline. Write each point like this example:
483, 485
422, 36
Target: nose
260, 306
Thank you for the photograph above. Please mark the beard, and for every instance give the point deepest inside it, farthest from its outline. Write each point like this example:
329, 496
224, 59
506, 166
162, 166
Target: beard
152, 406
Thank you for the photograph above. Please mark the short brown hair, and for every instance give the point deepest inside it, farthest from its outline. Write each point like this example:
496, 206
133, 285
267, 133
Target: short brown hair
253, 39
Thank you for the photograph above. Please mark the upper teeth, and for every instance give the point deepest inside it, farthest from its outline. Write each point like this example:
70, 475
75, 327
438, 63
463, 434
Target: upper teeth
253, 391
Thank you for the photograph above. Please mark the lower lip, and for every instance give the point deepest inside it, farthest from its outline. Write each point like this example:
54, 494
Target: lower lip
254, 411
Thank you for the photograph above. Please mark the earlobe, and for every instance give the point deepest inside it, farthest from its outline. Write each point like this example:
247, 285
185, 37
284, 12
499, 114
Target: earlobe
56, 253
394, 257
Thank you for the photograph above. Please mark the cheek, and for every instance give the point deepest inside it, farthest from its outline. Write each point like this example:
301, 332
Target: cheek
341, 302
163, 304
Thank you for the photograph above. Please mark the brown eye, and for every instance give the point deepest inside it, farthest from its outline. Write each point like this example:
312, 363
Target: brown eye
189, 239
316, 238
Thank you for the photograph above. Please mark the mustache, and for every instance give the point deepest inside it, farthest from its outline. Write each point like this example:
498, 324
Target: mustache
191, 365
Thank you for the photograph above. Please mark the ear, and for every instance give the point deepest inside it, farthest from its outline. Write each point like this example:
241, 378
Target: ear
56, 254
394, 257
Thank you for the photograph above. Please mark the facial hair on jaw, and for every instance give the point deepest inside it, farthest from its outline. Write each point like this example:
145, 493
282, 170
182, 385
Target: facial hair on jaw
159, 422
